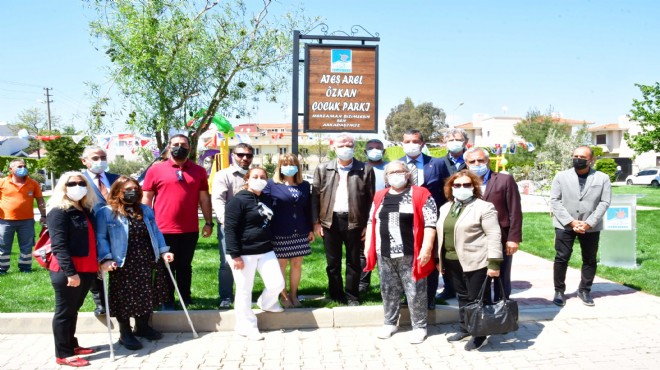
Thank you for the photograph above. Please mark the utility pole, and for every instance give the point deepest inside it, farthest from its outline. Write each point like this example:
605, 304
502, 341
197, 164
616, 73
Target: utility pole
48, 101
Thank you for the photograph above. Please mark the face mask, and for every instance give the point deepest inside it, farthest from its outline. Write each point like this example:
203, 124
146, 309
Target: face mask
580, 163
257, 184
462, 194
179, 152
397, 180
455, 146
412, 149
130, 196
21, 172
345, 153
375, 155
98, 167
76, 193
289, 170
242, 170
479, 170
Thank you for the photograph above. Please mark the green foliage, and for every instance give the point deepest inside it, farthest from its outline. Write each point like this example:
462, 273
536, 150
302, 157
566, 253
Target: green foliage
598, 151
607, 166
646, 111
360, 146
424, 117
122, 166
64, 155
316, 148
393, 153
33, 164
437, 152
269, 165
536, 127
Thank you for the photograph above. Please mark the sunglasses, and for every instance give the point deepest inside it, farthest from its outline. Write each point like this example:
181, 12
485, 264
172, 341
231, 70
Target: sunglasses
466, 185
244, 155
76, 183
179, 175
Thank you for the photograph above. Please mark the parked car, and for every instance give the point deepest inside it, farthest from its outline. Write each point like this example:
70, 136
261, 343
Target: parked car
650, 176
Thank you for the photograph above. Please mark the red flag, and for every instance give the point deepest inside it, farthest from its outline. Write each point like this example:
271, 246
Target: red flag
144, 142
48, 137
125, 136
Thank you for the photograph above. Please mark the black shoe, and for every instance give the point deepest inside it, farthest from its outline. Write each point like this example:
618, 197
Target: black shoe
560, 299
142, 329
457, 336
167, 307
99, 311
431, 305
353, 303
126, 337
585, 296
475, 343
445, 295
25, 271
3, 272
363, 288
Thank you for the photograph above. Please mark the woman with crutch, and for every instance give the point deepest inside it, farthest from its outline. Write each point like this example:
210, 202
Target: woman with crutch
129, 247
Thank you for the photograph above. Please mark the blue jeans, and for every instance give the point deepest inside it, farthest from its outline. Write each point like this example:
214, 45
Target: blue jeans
225, 277
25, 231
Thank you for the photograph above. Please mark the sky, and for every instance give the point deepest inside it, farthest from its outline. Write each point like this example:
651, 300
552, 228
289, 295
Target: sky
580, 58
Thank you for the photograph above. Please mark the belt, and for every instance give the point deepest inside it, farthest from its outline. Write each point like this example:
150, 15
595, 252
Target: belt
341, 214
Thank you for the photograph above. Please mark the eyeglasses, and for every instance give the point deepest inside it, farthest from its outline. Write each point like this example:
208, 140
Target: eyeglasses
132, 188
179, 175
244, 155
478, 160
76, 183
96, 158
466, 185
20, 166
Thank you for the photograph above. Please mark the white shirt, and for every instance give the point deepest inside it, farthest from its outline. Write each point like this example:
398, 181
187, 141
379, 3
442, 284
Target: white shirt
341, 196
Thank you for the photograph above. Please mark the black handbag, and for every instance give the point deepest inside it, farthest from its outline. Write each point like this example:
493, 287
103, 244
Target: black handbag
482, 319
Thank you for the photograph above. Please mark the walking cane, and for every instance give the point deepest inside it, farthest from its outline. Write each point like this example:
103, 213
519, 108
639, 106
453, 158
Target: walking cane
167, 264
107, 314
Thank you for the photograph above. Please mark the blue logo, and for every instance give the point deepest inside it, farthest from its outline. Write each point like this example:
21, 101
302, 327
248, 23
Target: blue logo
342, 61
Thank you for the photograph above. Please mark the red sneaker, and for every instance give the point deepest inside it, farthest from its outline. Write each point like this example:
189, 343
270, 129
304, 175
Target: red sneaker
83, 351
72, 361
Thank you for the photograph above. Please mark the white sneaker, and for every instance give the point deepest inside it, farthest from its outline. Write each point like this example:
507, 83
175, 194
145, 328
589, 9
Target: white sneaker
417, 335
225, 303
275, 308
386, 331
254, 335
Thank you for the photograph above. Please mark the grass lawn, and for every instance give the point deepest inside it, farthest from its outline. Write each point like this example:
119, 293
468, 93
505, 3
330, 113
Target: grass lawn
650, 195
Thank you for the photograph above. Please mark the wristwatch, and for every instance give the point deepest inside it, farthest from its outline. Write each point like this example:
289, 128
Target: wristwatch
211, 224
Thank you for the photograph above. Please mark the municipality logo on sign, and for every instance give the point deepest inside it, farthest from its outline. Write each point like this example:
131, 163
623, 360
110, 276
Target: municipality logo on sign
341, 61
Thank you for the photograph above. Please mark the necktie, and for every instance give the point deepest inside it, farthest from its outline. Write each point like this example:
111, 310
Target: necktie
412, 165
101, 186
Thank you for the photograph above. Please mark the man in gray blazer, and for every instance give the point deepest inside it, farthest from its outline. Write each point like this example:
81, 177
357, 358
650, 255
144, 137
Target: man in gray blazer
579, 198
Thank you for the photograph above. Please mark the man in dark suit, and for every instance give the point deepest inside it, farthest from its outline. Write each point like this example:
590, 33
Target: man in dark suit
430, 173
456, 142
502, 191
96, 161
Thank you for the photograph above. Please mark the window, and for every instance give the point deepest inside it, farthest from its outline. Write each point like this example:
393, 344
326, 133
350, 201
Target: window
282, 150
304, 151
305, 167
257, 151
601, 139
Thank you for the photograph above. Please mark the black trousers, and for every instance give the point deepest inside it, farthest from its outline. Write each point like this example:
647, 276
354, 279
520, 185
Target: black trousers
183, 247
467, 285
564, 240
333, 239
97, 292
68, 301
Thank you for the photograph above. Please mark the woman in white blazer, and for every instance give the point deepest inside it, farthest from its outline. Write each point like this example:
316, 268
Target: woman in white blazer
469, 238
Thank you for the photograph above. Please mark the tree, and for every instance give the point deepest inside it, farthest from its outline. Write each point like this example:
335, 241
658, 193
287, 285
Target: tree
536, 127
426, 118
34, 121
317, 148
647, 112
63, 153
170, 55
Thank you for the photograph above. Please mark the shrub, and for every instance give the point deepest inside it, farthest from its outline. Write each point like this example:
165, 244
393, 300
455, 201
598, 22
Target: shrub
607, 166
122, 166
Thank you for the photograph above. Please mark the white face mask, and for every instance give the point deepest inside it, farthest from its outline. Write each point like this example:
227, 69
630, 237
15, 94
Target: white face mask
257, 184
462, 194
76, 193
397, 180
242, 170
412, 149
345, 153
98, 166
455, 146
375, 155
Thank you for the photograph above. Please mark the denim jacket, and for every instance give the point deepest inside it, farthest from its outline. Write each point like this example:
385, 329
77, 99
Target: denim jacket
112, 235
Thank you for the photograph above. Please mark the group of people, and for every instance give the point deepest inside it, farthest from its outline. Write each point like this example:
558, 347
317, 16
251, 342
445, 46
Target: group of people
416, 218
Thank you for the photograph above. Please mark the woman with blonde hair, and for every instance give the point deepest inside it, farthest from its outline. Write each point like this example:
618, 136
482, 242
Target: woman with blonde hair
292, 222
73, 243
129, 247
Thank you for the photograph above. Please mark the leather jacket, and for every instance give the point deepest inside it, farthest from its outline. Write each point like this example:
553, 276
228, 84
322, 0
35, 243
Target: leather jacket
361, 184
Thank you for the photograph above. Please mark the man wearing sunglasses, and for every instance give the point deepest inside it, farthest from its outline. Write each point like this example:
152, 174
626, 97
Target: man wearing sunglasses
17, 194
95, 160
226, 183
502, 191
174, 189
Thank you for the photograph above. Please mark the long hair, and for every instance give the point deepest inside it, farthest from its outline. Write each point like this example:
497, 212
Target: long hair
59, 199
287, 160
476, 184
116, 198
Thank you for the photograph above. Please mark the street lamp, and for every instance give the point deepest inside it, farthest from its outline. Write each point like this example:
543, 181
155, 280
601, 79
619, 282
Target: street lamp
453, 113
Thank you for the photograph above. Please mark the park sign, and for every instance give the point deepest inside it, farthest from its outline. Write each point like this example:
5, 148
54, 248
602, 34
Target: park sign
341, 88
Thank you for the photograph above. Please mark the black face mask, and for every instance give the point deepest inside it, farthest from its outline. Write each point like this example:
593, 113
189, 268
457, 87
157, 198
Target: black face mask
580, 163
179, 152
130, 196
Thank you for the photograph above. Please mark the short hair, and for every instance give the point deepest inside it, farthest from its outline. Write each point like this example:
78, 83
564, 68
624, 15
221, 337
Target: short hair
344, 135
92, 148
476, 183
59, 199
11, 164
179, 135
374, 141
591, 150
476, 149
397, 163
287, 160
249, 172
243, 146
455, 130
412, 131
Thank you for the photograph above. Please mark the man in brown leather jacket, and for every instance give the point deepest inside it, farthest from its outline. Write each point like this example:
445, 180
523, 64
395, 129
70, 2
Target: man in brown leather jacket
342, 192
